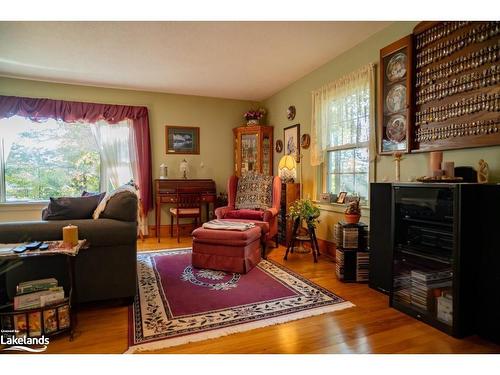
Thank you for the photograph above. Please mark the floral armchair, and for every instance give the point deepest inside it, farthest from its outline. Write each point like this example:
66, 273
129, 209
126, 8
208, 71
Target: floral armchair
266, 218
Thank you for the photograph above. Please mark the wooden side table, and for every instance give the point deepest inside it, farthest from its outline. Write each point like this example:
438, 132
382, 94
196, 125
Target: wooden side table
310, 237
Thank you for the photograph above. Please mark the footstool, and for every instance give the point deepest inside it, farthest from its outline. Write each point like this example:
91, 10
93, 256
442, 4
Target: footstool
226, 250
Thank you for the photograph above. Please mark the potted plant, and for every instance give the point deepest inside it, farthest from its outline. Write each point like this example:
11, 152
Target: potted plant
353, 212
254, 116
305, 209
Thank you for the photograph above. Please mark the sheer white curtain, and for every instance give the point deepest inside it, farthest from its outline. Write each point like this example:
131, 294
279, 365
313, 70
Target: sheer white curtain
116, 143
347, 86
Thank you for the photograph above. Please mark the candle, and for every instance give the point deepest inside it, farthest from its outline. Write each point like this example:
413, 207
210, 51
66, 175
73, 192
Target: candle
435, 161
70, 235
449, 168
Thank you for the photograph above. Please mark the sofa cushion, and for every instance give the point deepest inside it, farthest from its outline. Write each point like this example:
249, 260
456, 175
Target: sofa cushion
91, 194
245, 214
121, 206
71, 208
254, 191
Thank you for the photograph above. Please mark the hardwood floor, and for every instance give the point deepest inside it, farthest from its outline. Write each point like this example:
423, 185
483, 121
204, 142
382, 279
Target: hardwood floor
369, 327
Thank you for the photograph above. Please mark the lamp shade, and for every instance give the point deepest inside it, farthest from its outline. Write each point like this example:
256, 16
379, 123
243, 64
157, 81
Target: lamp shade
287, 168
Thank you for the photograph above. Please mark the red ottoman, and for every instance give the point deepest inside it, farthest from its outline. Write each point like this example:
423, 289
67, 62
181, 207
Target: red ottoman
226, 250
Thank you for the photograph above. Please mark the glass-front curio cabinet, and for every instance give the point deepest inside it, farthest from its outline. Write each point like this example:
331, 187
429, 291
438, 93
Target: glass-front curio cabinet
253, 149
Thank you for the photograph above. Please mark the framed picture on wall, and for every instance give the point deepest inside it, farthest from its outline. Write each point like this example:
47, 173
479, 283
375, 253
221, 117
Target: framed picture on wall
291, 143
182, 139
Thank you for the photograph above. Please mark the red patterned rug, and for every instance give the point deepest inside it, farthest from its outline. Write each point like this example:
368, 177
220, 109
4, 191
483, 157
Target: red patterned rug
176, 303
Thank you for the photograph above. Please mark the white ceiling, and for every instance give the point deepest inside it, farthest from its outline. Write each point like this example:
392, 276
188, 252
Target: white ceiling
239, 60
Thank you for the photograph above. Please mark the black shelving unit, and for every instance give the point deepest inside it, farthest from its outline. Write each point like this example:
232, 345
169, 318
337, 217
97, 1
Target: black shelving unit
435, 242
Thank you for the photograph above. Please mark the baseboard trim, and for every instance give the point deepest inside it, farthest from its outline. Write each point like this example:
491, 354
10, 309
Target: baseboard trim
327, 248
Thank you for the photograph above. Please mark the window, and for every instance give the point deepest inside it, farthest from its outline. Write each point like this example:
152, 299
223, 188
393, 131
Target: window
39, 160
347, 143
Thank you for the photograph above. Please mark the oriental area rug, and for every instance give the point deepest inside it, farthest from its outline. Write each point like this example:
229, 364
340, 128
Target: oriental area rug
177, 304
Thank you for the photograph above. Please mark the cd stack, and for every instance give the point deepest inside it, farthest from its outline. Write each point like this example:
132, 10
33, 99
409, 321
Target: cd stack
363, 262
339, 264
350, 238
402, 288
352, 256
424, 285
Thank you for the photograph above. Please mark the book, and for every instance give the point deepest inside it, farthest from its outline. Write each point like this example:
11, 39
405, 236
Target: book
38, 299
36, 285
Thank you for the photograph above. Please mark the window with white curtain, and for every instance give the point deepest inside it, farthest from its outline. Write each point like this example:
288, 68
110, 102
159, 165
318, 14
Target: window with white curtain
53, 158
341, 136
348, 131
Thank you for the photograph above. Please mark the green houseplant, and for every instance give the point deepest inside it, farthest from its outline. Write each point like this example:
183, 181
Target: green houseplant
304, 209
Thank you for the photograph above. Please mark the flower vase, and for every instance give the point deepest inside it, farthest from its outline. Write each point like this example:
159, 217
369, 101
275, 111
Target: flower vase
252, 122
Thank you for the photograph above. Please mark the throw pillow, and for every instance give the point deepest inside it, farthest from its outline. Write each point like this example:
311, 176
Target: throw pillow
255, 191
70, 208
121, 206
122, 202
91, 194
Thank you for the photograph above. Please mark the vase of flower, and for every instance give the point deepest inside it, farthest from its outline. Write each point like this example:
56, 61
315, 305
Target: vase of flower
254, 116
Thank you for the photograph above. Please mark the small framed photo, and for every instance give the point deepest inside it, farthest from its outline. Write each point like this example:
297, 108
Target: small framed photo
35, 324
291, 142
20, 325
341, 197
49, 320
64, 316
182, 139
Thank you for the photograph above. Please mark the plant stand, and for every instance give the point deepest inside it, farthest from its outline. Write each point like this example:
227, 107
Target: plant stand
311, 237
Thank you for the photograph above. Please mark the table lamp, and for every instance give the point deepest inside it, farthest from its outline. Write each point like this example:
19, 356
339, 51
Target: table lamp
287, 168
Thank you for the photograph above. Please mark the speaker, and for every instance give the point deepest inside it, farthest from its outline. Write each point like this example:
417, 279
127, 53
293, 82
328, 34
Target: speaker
380, 237
488, 275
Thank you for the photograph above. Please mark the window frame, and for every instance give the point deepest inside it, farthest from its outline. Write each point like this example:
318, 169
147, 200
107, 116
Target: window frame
350, 146
3, 182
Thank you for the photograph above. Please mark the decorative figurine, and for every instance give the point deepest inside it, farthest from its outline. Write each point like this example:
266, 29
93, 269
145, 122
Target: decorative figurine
484, 172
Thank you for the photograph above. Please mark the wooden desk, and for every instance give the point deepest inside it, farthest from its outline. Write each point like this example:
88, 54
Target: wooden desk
166, 193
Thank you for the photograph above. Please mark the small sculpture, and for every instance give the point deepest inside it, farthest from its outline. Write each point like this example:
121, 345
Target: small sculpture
484, 172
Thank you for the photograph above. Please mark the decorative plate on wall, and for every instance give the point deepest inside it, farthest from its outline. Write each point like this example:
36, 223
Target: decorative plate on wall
396, 98
396, 69
396, 128
305, 141
279, 145
290, 112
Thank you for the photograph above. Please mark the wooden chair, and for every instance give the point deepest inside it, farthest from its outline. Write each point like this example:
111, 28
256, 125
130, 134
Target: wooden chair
188, 206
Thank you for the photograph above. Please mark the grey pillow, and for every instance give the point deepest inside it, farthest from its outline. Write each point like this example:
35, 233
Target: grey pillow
122, 206
91, 194
71, 208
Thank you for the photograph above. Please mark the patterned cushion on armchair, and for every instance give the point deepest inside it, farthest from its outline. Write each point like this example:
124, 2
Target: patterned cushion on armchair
255, 191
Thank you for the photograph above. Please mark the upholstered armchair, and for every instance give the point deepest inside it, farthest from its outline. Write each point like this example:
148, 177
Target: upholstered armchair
267, 218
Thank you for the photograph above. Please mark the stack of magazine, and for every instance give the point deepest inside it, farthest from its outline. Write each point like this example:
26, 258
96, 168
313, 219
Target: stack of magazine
37, 293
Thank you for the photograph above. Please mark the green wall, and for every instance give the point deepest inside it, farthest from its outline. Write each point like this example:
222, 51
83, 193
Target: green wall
299, 94
215, 117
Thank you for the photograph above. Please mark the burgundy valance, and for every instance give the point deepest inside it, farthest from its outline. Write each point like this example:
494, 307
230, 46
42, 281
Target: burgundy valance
68, 111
